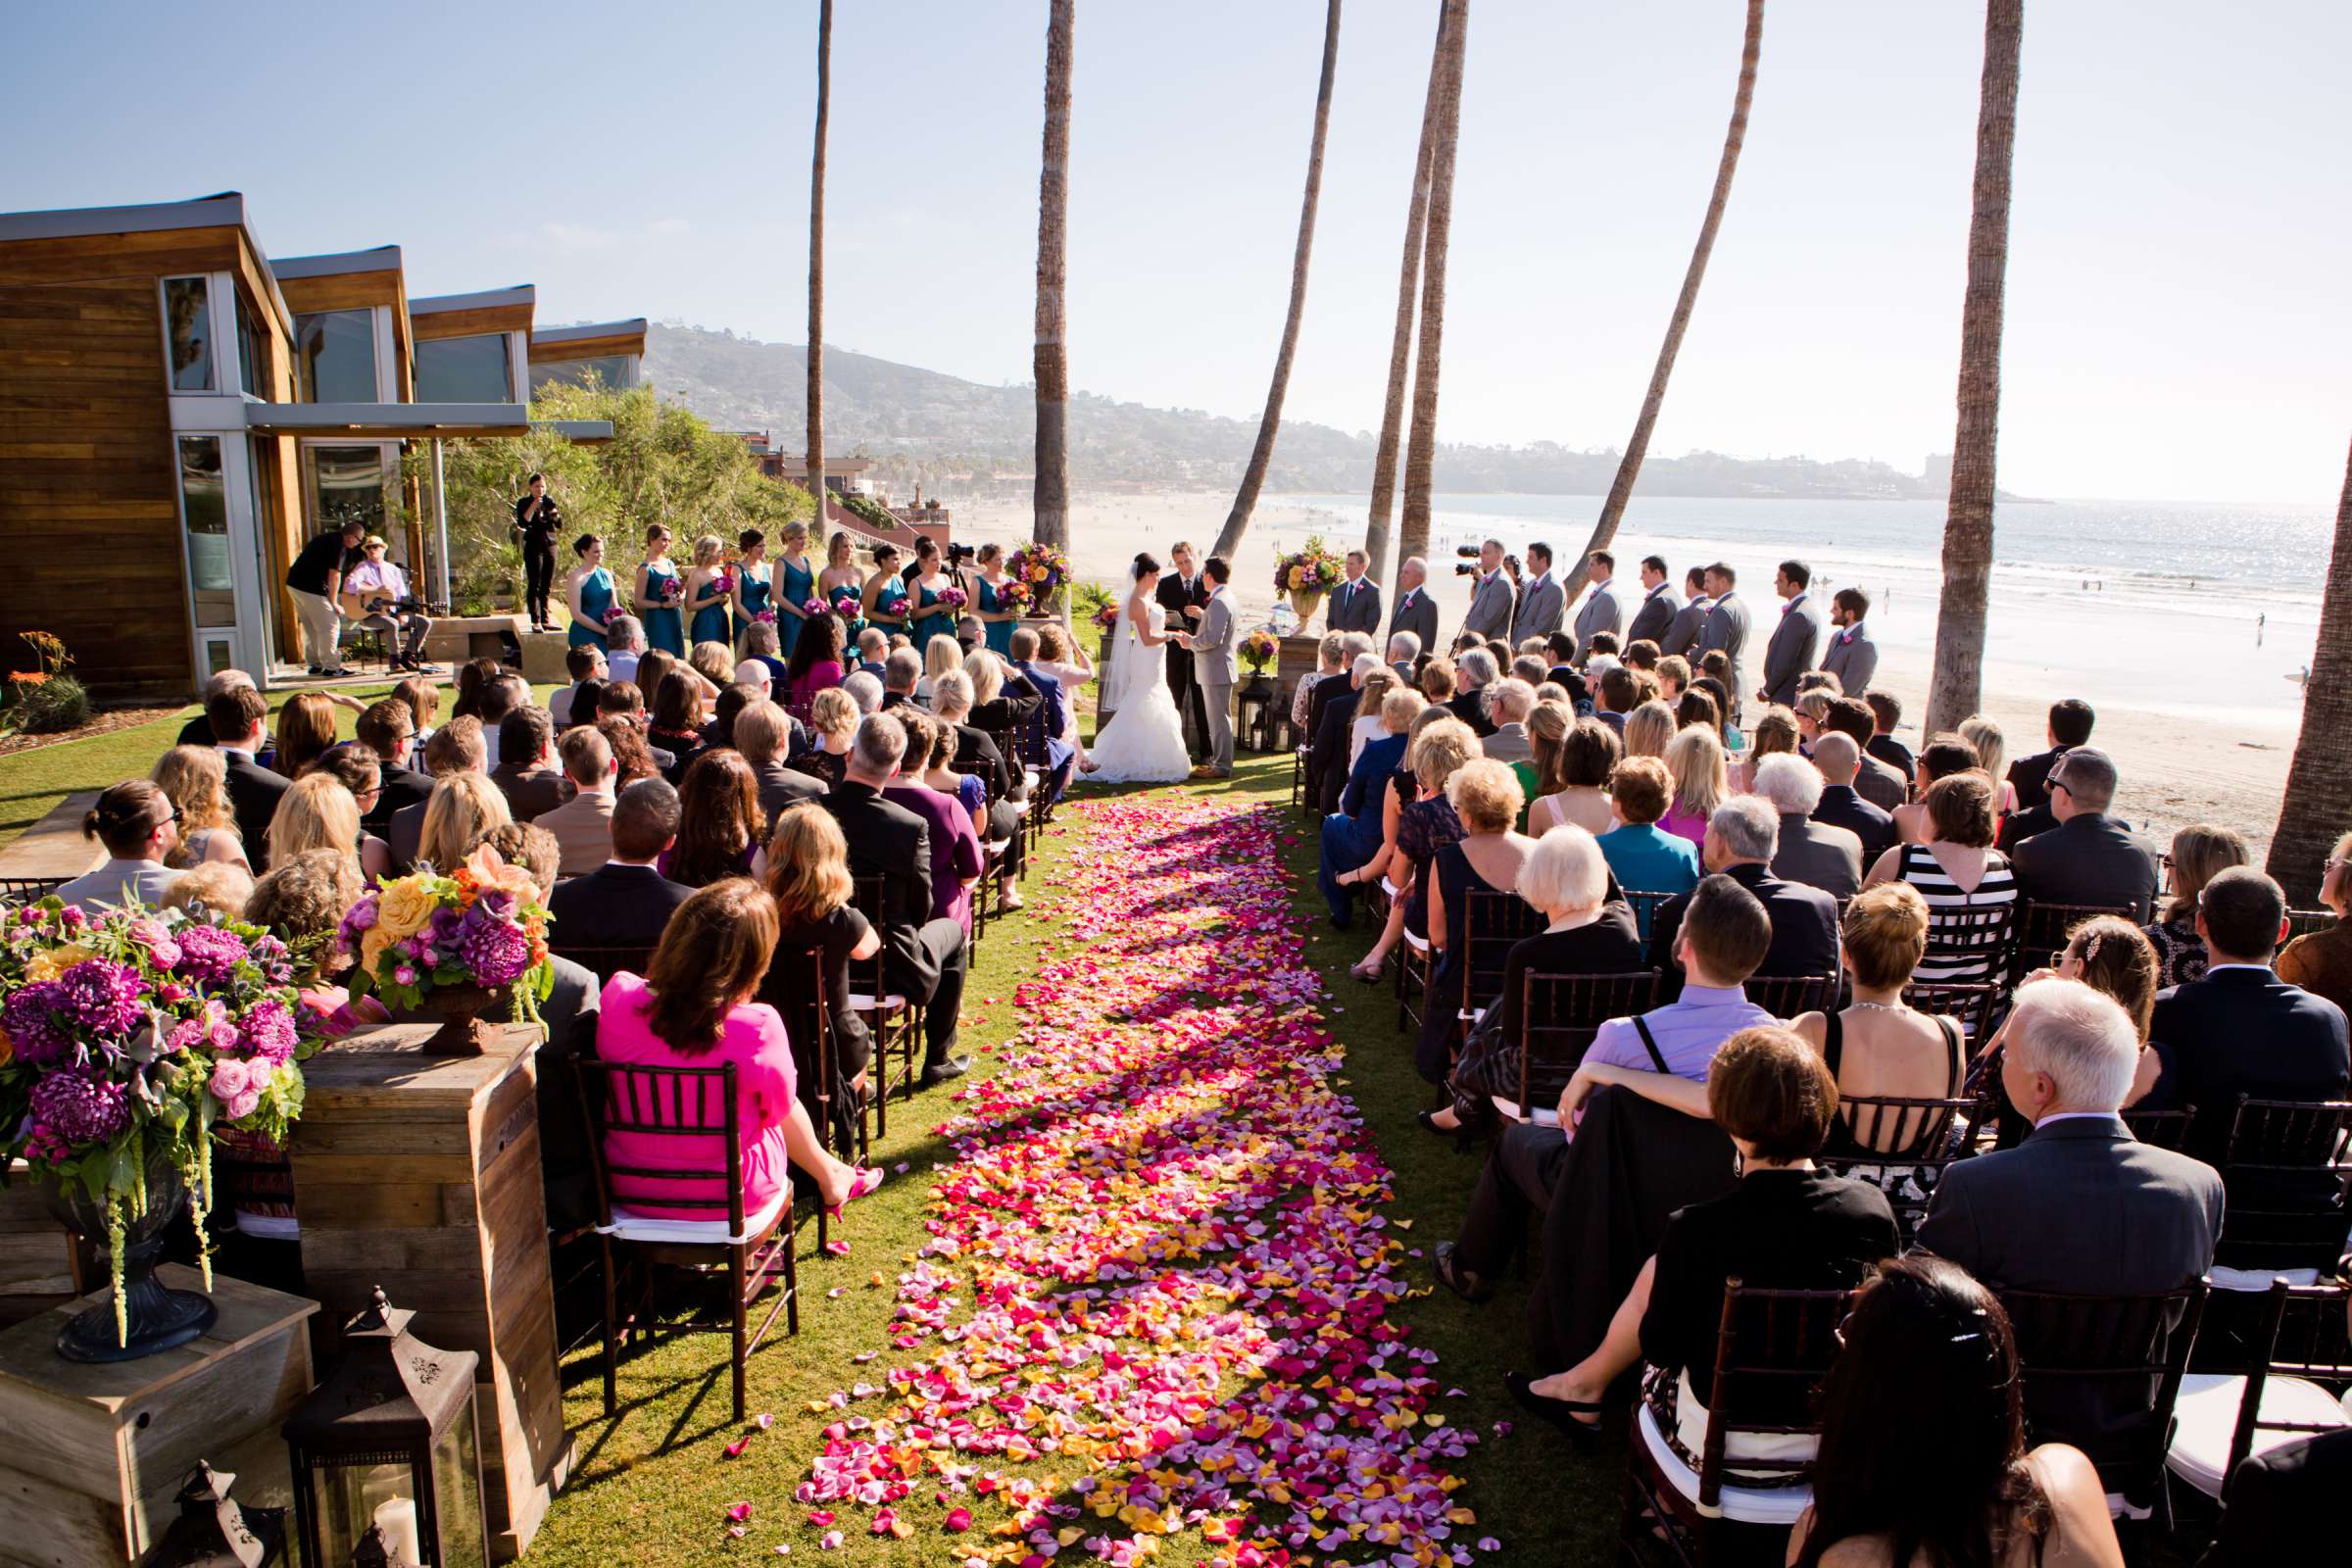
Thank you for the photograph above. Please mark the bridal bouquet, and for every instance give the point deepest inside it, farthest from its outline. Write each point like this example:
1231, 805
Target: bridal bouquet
953, 597
848, 602
482, 925
813, 608
128, 1038
765, 618
1314, 569
1045, 569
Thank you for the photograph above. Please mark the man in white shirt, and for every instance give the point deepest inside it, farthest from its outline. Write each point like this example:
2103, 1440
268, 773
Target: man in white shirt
626, 635
379, 590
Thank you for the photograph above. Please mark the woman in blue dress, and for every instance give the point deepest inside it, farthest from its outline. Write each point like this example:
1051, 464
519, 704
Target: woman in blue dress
754, 589
932, 618
709, 588
842, 585
885, 595
589, 593
997, 619
796, 585
657, 593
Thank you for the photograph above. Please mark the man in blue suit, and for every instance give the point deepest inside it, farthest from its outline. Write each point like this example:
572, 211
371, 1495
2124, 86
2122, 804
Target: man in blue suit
1042, 735
1353, 833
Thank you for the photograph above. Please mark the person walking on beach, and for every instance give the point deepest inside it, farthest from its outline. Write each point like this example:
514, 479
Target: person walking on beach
1604, 610
1543, 603
1491, 596
1796, 640
1726, 627
1659, 606
1851, 656
1415, 610
1682, 632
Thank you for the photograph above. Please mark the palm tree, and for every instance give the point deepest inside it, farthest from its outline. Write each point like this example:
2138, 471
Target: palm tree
1400, 345
1629, 467
1261, 456
1954, 689
817, 273
2318, 805
1052, 363
1421, 447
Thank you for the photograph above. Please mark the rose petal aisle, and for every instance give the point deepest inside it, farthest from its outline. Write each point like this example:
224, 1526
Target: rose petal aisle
1155, 1300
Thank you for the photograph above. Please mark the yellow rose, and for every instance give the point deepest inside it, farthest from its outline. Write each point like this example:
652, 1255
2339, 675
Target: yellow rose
54, 961
406, 905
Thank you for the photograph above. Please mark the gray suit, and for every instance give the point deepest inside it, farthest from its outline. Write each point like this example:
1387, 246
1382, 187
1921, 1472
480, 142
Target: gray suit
1726, 628
1213, 666
1491, 603
1795, 641
1819, 854
1541, 608
1657, 613
1356, 607
1417, 613
1508, 744
1852, 658
1604, 610
1682, 632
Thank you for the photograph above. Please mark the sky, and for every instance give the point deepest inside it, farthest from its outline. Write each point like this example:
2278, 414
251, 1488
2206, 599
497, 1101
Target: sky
2178, 321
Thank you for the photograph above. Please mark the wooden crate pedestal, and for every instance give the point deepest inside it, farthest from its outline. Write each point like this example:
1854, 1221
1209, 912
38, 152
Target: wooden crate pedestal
95, 1454
422, 1174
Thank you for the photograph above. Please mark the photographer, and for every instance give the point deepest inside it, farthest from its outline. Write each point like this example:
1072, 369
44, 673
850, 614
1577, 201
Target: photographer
538, 522
377, 593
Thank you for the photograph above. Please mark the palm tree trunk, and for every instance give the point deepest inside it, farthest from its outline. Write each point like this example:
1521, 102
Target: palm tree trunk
1421, 447
1261, 456
2318, 805
1051, 364
1400, 345
1629, 467
1956, 686
816, 275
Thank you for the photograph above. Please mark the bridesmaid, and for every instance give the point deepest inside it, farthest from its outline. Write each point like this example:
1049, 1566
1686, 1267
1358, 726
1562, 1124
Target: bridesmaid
885, 594
588, 589
658, 592
997, 621
932, 620
754, 589
796, 585
840, 571
709, 587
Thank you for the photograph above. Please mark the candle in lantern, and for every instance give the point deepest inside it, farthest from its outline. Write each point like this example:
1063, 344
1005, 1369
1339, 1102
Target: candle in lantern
397, 1519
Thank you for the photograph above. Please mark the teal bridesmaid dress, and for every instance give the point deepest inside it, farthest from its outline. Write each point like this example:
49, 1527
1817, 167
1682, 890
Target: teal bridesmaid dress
596, 598
940, 623
799, 587
892, 601
756, 590
998, 633
709, 624
665, 627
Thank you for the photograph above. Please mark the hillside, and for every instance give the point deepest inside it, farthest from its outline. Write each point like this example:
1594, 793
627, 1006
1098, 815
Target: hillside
937, 430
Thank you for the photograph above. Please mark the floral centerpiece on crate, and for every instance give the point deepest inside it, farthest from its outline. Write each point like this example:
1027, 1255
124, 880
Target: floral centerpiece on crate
1046, 570
129, 1042
452, 944
1014, 596
1258, 650
1307, 574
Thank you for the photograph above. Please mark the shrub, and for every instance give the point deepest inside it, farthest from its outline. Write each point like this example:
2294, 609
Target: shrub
46, 706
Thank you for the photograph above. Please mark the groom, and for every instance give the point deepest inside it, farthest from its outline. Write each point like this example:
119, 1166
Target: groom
1212, 650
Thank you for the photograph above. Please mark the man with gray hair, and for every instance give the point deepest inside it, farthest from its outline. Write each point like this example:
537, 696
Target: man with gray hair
1404, 649
2089, 858
1416, 611
1508, 703
1839, 760
1812, 853
1474, 671
865, 690
624, 644
901, 672
1743, 837
2081, 1207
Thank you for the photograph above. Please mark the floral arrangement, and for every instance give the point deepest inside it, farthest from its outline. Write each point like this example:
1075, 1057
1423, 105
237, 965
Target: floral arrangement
126, 1036
953, 597
1314, 569
813, 608
848, 600
1109, 615
1013, 595
765, 618
482, 925
667, 589
1046, 570
1258, 650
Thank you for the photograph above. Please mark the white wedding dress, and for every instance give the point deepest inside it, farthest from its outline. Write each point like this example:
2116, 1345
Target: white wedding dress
1144, 741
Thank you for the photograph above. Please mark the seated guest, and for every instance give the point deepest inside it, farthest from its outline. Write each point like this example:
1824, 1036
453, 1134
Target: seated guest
1642, 857
763, 733
1775, 735
1701, 780
1812, 853
198, 730
1573, 758
2199, 852
2111, 956
1743, 836
676, 725
1404, 653
2070, 726
627, 639
527, 773
1367, 726
239, 718
2081, 1207
1941, 758
1650, 730
1489, 859
632, 758
732, 701
214, 891
963, 697
1437, 682
873, 651
1508, 705
940, 654
925, 957
140, 827
816, 665
761, 645
472, 676
1812, 709
832, 725
1959, 872
956, 859
1923, 1452
1474, 671
809, 877
693, 1008
1876, 1047
2088, 857
1588, 932
1674, 679
938, 769
1334, 751
354, 767
1416, 821
901, 672
620, 699
1838, 760
1886, 712
1992, 755
720, 828
1044, 731
582, 826
625, 902
499, 696
864, 690
1620, 691
465, 809
320, 814
306, 726
388, 729
584, 663
1875, 782
1327, 664
1353, 833
2321, 961
1529, 666
195, 778
456, 748
1787, 1225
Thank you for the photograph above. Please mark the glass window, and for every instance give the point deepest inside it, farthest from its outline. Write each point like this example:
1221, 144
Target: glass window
204, 506
612, 370
188, 311
465, 369
334, 356
252, 365
347, 484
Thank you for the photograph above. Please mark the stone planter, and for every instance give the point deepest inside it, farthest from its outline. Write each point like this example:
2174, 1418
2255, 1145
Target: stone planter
155, 1317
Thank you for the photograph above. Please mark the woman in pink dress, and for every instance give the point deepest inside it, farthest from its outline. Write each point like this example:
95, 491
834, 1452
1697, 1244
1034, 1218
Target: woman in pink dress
693, 1008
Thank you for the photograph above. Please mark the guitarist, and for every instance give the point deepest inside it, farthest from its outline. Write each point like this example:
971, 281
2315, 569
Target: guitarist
375, 595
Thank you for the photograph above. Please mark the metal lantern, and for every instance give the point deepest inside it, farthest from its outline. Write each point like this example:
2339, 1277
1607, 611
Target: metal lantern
213, 1532
388, 1442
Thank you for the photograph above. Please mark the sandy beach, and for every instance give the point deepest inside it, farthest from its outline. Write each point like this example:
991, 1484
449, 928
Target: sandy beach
2193, 744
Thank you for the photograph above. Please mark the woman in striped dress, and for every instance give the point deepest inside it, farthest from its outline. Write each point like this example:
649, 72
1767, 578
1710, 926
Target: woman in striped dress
1958, 872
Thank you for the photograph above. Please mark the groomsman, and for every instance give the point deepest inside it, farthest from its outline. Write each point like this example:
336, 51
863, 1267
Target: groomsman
1659, 606
1415, 610
1796, 640
1604, 610
1491, 596
1851, 656
1355, 603
1185, 597
1726, 627
1682, 632
1542, 603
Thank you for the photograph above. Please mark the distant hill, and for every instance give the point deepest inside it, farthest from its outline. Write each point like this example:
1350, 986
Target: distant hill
940, 430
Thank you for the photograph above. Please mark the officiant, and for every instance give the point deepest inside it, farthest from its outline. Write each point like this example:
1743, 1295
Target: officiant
1184, 594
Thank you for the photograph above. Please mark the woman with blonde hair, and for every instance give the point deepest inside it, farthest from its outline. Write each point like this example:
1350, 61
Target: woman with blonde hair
819, 933
714, 664
941, 655
1370, 723
423, 699
214, 891
1774, 732
463, 809
1415, 820
357, 768
2199, 851
196, 778
1489, 857
2114, 957
710, 588
1648, 729
833, 718
1993, 751
306, 726
1701, 781
1878, 1046
842, 572
1061, 655
796, 584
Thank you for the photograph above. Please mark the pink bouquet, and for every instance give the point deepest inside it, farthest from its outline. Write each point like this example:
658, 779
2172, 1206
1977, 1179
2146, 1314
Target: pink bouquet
953, 597
765, 618
813, 608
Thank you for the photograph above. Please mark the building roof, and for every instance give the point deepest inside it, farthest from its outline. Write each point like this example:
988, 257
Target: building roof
632, 328
488, 299
221, 210
381, 259
400, 421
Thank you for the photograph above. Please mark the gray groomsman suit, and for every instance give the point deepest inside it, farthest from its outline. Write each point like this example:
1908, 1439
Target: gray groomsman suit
1356, 607
1682, 632
1658, 609
1602, 612
1726, 627
1852, 658
1213, 666
1541, 608
1417, 614
1795, 641
1491, 603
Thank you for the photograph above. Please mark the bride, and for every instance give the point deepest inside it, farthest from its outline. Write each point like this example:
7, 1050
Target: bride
1144, 741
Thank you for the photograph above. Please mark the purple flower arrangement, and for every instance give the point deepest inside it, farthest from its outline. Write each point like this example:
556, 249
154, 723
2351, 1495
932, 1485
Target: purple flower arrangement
813, 608
481, 926
953, 597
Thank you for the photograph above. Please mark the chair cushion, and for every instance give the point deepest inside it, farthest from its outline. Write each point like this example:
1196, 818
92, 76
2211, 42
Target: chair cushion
628, 1227
1417, 944
1750, 1506
2258, 1281
2205, 1417
860, 1003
